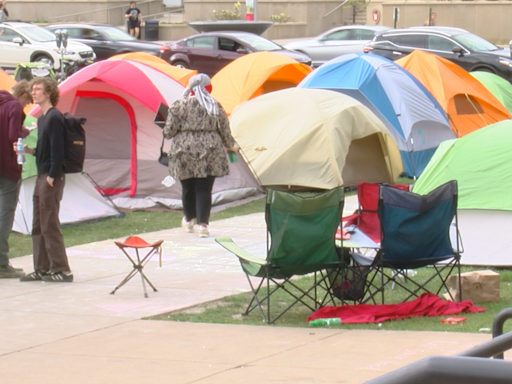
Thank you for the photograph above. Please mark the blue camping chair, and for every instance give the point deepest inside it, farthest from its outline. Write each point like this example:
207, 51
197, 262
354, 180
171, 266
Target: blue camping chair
415, 233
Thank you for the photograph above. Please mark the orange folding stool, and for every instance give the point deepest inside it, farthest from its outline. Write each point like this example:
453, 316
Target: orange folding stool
139, 262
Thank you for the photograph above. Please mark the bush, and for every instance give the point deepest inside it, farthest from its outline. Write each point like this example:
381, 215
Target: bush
225, 14
281, 18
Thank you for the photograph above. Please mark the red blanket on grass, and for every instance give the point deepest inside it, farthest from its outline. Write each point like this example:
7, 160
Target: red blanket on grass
427, 304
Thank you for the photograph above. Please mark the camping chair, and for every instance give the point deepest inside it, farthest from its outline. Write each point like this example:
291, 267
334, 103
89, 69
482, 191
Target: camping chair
300, 240
365, 217
415, 233
138, 262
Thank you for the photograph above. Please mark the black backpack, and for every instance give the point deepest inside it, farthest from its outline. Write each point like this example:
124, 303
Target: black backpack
75, 144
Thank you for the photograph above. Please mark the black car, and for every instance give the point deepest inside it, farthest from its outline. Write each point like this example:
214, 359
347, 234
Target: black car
209, 52
465, 49
106, 40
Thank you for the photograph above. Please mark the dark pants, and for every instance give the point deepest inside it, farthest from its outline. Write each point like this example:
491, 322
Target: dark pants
47, 241
197, 198
8, 199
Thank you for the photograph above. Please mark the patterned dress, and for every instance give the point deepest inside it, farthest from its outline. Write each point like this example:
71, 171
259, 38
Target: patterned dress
198, 148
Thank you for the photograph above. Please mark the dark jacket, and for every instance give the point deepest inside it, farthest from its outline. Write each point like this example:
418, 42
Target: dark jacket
11, 120
51, 129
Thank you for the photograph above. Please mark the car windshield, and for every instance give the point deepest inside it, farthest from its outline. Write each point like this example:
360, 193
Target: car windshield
115, 34
475, 43
35, 33
259, 43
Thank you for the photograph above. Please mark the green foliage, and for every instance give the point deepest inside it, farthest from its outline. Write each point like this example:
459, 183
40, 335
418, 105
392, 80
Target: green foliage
281, 18
226, 14
357, 6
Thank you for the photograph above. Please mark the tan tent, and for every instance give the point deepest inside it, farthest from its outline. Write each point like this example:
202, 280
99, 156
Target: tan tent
314, 138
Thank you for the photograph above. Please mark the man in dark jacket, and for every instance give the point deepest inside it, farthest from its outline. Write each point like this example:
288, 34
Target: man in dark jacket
50, 259
11, 120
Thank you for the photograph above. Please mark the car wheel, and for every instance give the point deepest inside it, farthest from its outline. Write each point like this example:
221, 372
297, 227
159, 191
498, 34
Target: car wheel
44, 59
180, 64
484, 69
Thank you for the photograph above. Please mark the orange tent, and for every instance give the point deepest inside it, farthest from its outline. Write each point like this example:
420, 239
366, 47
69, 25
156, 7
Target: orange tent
6, 81
181, 75
468, 104
253, 75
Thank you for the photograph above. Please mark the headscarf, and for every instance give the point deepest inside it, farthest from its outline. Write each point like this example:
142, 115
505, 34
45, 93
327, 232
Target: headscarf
197, 84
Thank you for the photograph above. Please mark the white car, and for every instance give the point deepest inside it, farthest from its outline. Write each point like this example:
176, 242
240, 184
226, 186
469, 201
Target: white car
25, 43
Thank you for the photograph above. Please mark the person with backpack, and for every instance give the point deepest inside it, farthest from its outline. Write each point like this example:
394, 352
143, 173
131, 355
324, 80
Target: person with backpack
50, 258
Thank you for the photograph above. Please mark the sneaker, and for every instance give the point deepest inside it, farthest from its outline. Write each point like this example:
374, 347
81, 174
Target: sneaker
188, 226
34, 276
16, 269
203, 231
8, 272
59, 277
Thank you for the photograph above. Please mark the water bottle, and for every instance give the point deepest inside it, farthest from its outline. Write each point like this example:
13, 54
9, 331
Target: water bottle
21, 152
325, 322
232, 157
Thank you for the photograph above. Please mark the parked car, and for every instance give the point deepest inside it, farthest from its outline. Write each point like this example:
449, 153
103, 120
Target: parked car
210, 52
465, 49
106, 40
335, 42
26, 43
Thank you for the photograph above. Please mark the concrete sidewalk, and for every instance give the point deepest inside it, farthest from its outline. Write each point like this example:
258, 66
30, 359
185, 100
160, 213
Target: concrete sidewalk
79, 333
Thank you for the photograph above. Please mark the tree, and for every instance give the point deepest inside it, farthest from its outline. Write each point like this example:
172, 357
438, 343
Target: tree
357, 6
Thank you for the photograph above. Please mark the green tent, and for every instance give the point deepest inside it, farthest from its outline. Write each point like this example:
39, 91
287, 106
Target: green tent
481, 164
498, 86
29, 168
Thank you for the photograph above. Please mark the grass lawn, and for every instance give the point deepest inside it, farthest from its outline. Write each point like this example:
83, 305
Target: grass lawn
229, 310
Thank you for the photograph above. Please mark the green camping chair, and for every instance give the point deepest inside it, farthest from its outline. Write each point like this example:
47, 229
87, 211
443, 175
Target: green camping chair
301, 228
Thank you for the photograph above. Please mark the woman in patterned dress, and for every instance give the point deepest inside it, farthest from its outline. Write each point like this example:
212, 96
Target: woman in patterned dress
199, 127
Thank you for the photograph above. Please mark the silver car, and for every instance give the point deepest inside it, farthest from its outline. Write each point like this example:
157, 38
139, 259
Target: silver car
335, 42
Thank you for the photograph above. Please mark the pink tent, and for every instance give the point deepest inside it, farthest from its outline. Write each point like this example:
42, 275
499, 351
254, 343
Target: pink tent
119, 99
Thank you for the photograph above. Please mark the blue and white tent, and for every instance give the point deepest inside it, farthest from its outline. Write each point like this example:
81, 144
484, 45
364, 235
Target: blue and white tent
409, 111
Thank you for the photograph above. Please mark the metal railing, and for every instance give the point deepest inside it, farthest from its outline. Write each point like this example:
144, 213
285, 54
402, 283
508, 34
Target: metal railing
473, 366
96, 10
340, 5
124, 6
160, 14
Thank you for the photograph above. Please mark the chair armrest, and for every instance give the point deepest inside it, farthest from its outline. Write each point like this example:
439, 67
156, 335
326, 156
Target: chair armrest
241, 253
351, 219
251, 265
